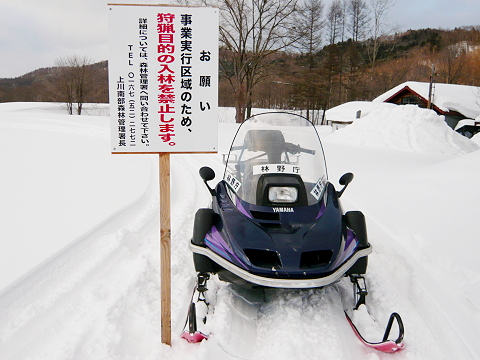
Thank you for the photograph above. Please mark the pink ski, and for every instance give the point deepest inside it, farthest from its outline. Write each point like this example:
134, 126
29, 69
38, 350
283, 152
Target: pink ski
195, 337
387, 346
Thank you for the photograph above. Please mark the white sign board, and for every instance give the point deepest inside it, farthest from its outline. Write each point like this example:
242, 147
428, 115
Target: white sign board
163, 78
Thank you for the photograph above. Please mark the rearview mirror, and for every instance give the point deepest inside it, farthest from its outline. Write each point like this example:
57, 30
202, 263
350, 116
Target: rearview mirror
207, 174
344, 180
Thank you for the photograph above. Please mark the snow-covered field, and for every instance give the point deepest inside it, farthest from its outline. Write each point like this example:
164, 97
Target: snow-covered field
79, 244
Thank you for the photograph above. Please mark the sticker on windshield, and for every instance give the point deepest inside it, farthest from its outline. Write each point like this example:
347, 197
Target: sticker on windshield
232, 181
317, 190
276, 169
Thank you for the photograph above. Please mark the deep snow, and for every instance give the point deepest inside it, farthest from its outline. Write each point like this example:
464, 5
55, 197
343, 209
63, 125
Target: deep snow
83, 225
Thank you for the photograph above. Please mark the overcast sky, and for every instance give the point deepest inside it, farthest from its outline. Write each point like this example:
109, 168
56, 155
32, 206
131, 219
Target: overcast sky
35, 33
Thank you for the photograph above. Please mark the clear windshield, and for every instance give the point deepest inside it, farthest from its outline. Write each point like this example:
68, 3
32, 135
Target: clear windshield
277, 159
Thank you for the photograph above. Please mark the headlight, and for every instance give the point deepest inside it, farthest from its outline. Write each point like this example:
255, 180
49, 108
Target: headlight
282, 194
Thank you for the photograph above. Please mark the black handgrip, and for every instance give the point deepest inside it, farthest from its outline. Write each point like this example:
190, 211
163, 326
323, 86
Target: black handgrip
312, 152
293, 149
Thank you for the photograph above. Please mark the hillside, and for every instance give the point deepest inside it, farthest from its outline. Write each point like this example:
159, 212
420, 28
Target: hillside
39, 86
338, 73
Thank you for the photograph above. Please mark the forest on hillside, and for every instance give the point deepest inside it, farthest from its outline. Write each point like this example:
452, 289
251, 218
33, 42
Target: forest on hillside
343, 72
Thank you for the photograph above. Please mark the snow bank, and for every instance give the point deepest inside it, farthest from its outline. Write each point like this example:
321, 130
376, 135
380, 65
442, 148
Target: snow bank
406, 127
476, 139
58, 180
347, 112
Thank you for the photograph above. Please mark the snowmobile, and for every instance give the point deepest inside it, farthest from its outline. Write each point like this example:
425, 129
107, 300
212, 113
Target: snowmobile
275, 220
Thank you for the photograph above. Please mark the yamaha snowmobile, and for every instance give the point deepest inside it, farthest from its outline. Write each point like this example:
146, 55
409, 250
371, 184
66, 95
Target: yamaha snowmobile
275, 219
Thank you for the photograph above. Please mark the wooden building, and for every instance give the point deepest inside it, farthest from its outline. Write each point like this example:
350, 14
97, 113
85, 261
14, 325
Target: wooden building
455, 102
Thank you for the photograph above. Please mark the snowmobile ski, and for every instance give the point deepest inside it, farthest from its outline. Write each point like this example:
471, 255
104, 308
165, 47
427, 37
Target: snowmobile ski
191, 332
388, 346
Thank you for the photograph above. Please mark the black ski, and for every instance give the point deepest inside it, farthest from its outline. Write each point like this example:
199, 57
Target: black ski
190, 332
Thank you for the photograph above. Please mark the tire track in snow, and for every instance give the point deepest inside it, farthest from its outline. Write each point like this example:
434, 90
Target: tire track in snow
427, 325
56, 126
230, 309
188, 193
66, 308
311, 317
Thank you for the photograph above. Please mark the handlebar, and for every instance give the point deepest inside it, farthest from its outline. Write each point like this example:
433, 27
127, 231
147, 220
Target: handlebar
293, 149
289, 147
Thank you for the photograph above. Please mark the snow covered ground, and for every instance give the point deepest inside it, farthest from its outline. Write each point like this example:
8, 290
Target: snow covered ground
79, 247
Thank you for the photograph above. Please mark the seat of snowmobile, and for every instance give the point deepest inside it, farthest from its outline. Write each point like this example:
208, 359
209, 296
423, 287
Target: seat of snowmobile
270, 141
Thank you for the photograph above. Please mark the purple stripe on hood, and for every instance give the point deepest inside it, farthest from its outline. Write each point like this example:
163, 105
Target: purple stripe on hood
216, 243
241, 208
349, 249
321, 211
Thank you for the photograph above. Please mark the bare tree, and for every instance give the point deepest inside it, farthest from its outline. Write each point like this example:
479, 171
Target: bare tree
380, 26
451, 63
357, 11
251, 31
335, 22
335, 55
75, 79
310, 25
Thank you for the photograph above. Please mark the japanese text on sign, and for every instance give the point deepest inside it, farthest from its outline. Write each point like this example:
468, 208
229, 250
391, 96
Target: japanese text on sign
163, 72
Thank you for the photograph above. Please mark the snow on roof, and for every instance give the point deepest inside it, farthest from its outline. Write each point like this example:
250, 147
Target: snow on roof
347, 112
405, 127
448, 97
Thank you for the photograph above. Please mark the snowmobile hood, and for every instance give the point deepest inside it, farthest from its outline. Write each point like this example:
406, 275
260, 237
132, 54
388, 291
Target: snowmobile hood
281, 242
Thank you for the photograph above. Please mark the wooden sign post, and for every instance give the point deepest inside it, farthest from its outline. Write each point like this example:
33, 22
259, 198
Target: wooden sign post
163, 82
165, 249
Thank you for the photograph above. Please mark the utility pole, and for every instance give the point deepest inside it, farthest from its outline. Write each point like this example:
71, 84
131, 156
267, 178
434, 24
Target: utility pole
430, 87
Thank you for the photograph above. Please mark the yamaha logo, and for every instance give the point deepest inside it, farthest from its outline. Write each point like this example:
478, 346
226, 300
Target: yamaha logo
283, 209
